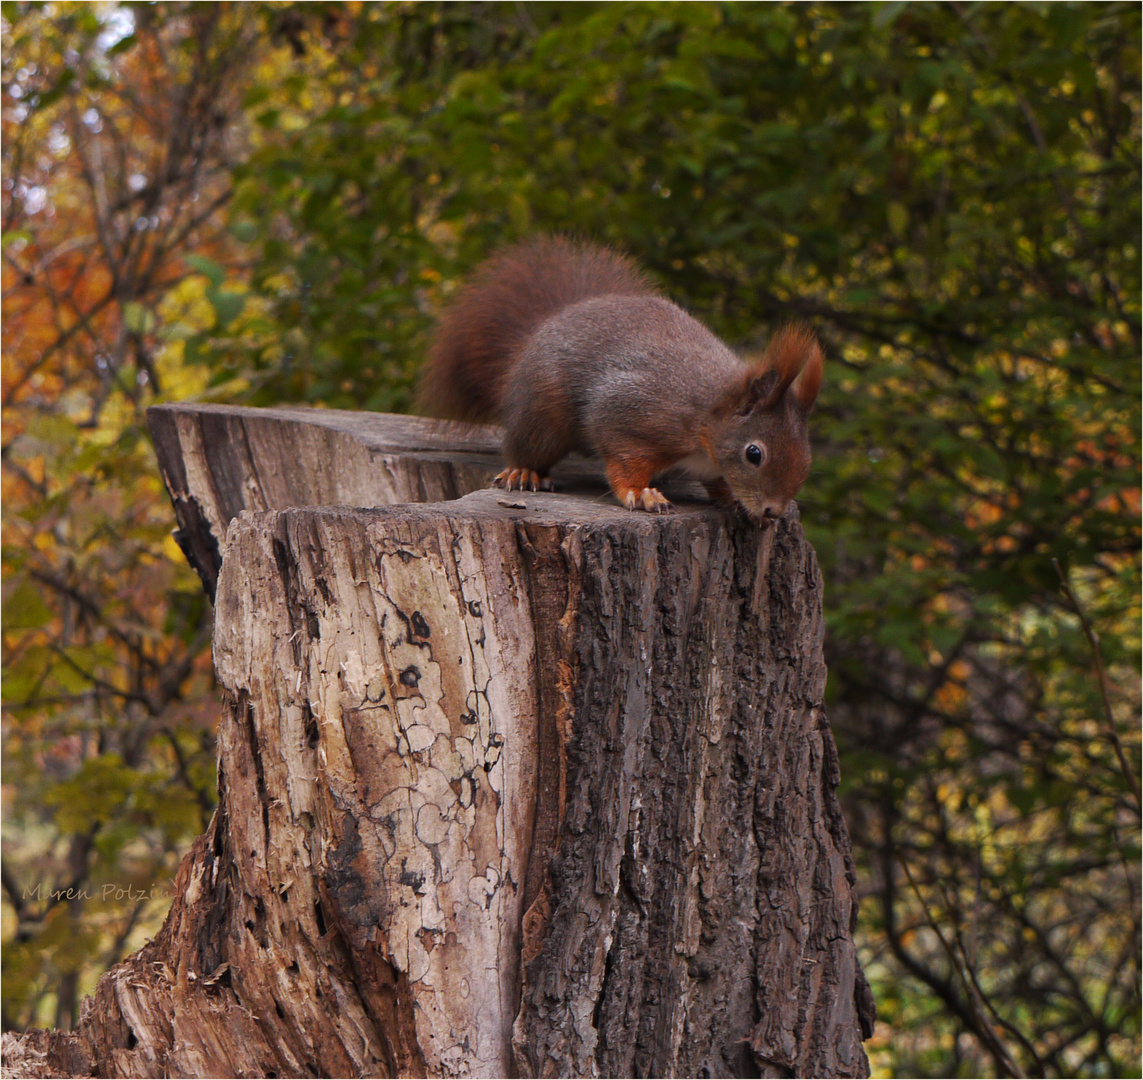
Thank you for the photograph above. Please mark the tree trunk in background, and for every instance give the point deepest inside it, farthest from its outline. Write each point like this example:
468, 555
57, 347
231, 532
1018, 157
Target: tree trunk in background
509, 785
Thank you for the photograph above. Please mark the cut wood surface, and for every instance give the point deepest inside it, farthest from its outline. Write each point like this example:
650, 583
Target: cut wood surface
218, 460
511, 784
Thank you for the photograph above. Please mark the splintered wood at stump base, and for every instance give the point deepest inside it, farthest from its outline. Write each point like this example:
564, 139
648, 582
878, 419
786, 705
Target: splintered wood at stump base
507, 787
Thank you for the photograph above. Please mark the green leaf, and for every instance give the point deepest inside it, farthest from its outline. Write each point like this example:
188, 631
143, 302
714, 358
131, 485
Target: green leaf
24, 608
214, 273
227, 305
138, 318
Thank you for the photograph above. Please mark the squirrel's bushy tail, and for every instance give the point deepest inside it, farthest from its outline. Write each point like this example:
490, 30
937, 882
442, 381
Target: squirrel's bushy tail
482, 332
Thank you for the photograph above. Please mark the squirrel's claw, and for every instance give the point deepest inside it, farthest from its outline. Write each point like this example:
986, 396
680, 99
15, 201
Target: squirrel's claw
522, 480
650, 499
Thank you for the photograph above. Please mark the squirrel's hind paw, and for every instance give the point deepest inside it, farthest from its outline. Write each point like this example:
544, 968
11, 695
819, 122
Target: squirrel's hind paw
649, 499
522, 480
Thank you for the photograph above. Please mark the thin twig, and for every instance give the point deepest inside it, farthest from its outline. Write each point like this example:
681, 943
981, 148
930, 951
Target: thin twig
984, 1028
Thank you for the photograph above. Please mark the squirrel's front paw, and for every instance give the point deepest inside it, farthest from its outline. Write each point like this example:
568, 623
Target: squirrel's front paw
522, 480
650, 499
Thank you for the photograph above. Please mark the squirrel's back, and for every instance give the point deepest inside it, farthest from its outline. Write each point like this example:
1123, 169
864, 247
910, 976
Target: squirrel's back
484, 329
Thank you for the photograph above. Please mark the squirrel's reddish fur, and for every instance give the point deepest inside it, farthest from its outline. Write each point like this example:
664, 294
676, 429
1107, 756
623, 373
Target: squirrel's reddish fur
483, 329
570, 347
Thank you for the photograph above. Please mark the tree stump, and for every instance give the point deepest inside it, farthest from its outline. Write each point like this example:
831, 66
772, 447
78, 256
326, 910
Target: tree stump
510, 784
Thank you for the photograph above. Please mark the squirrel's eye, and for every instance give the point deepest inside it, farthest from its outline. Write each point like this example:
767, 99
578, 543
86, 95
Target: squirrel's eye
755, 454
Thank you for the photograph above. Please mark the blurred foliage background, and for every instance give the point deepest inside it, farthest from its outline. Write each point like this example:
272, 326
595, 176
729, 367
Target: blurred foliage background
270, 202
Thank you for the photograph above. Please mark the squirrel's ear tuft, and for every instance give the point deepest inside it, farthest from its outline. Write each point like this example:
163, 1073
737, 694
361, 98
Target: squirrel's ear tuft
809, 381
795, 355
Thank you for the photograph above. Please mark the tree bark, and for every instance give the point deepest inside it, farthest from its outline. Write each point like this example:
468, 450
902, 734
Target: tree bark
508, 784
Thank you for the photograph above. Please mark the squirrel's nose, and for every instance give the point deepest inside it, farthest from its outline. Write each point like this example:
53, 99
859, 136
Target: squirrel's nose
771, 511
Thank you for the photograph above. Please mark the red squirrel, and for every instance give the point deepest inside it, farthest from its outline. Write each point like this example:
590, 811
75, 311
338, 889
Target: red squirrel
570, 347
